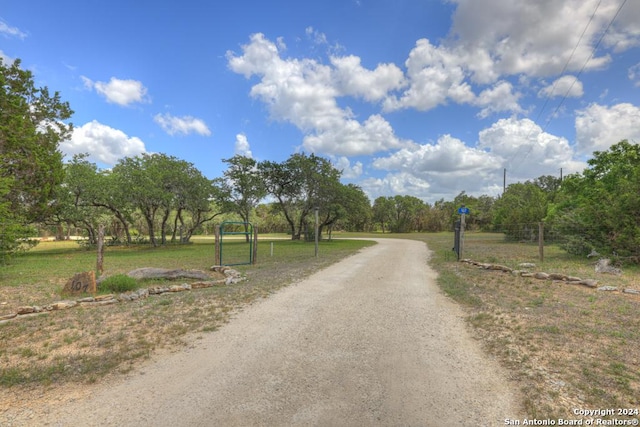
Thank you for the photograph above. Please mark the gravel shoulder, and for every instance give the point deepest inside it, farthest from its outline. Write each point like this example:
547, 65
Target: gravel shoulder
368, 341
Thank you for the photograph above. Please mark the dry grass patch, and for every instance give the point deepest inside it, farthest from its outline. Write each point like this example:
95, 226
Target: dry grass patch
567, 346
84, 344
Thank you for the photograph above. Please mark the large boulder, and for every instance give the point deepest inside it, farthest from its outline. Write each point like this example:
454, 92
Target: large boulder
165, 273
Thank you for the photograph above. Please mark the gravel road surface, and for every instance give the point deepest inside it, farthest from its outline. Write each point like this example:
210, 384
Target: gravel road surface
369, 341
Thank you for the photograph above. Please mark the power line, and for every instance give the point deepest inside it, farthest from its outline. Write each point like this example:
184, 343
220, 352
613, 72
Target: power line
564, 97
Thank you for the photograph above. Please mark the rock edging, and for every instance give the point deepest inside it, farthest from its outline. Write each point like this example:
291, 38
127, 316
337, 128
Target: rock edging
232, 277
555, 277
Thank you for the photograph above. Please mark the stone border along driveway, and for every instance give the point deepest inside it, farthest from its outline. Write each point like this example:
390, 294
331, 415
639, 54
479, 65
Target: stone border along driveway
556, 277
232, 276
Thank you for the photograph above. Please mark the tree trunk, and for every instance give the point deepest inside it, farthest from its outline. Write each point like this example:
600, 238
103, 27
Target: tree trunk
125, 226
163, 226
175, 226
100, 260
152, 230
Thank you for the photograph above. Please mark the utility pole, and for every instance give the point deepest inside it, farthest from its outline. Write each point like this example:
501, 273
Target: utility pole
504, 181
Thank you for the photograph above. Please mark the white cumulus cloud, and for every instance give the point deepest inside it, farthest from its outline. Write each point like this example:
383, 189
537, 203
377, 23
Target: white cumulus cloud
304, 93
348, 170
242, 146
500, 38
118, 91
10, 31
184, 125
568, 86
103, 143
598, 127
526, 150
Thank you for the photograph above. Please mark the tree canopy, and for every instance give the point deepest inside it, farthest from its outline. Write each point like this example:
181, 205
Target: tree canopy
600, 208
32, 124
31, 128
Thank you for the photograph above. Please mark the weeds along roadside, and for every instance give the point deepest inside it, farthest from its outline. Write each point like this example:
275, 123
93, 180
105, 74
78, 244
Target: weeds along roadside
568, 347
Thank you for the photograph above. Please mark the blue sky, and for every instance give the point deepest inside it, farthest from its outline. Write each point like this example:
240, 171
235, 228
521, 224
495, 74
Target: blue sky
427, 98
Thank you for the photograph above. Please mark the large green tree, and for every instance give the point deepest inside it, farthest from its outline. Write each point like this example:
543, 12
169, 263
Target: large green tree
300, 184
159, 185
242, 187
382, 212
520, 209
31, 129
600, 208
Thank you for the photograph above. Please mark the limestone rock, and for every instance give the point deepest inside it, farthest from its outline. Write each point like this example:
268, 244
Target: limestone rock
604, 266
164, 273
206, 284
25, 310
143, 293
590, 283
541, 276
527, 265
607, 288
8, 316
63, 305
631, 291
81, 283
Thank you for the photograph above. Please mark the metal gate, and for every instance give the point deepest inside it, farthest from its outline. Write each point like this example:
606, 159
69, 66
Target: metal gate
236, 243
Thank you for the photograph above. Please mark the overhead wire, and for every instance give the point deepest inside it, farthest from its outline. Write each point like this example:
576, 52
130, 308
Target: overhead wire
568, 91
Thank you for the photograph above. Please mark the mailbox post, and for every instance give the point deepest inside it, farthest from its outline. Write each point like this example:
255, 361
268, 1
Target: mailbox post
459, 234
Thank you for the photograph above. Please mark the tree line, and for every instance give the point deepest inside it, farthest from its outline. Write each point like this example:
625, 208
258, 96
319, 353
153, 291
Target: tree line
168, 199
165, 199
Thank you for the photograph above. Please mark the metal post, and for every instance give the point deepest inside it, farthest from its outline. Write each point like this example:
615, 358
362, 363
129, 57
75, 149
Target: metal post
254, 254
461, 234
316, 233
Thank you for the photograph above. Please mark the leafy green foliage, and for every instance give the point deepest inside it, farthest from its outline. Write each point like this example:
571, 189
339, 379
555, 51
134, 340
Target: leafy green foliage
119, 283
600, 208
31, 128
519, 209
300, 184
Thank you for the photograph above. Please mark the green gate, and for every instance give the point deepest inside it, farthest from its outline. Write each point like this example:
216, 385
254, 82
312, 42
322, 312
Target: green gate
236, 243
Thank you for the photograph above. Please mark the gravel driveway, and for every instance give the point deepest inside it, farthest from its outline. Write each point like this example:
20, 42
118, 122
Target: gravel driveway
369, 341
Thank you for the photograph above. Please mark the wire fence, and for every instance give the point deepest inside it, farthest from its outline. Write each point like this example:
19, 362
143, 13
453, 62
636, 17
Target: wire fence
572, 238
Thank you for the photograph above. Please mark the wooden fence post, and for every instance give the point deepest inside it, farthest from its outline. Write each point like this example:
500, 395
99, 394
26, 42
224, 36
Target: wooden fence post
100, 260
541, 240
217, 244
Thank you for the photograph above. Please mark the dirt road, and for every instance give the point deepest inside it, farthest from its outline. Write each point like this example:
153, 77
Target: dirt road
367, 342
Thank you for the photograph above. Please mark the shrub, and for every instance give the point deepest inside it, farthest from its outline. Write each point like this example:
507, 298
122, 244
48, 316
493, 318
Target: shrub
119, 283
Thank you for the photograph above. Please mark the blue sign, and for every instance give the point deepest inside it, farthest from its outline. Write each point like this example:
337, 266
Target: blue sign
463, 211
